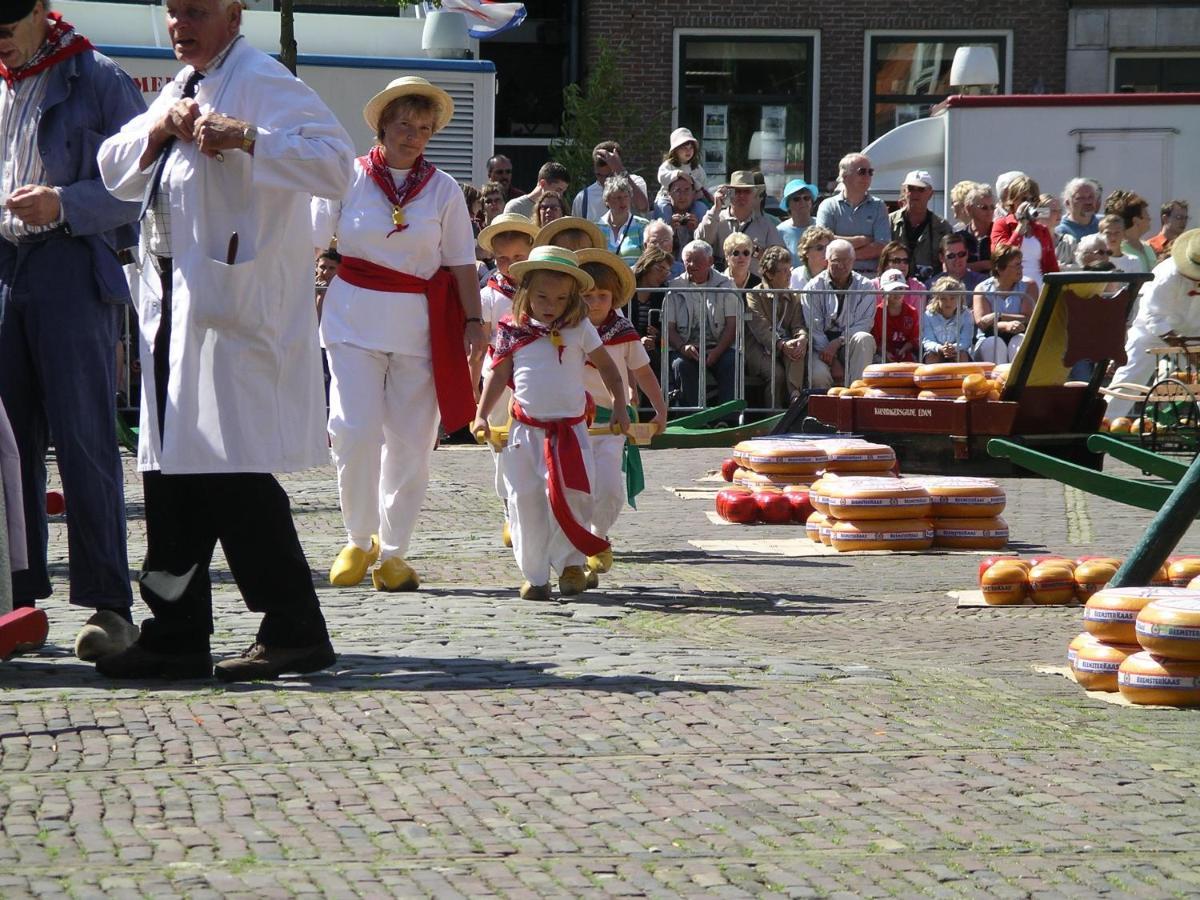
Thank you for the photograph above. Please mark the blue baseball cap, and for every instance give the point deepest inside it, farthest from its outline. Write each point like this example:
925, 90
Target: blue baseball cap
799, 184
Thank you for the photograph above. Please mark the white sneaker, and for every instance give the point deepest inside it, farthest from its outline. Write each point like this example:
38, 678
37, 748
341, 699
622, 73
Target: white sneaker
104, 634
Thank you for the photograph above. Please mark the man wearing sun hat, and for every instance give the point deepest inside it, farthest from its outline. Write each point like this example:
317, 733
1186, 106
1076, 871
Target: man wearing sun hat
737, 208
1168, 309
224, 164
916, 226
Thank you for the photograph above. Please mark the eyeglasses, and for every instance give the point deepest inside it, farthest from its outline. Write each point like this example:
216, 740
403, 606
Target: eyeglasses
959, 255
740, 253
799, 198
1100, 253
817, 248
898, 259
863, 170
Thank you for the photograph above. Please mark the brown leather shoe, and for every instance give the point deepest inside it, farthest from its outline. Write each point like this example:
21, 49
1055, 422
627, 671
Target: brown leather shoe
262, 663
136, 661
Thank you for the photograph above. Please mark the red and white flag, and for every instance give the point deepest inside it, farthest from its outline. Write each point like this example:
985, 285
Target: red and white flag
485, 18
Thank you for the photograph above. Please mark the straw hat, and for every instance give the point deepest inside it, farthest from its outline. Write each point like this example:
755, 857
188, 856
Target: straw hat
744, 179
409, 85
552, 229
619, 266
506, 222
1186, 254
681, 136
552, 259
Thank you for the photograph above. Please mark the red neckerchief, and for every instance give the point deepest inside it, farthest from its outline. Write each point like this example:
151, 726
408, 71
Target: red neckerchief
512, 336
502, 283
62, 42
376, 167
615, 330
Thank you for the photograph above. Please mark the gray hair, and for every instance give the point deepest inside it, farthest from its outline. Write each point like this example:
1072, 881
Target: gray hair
657, 225
617, 184
698, 246
1089, 244
1004, 179
980, 191
839, 244
844, 164
1075, 184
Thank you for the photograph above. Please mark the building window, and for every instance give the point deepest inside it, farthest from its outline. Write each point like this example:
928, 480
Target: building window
1156, 74
908, 75
748, 100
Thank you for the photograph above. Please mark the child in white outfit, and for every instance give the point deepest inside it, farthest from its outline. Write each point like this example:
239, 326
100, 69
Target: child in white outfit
618, 463
547, 466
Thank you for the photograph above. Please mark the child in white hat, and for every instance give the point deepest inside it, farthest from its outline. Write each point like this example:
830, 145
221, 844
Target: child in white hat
682, 156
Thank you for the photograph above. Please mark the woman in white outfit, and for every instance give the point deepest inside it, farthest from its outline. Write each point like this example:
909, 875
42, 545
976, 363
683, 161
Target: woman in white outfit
398, 323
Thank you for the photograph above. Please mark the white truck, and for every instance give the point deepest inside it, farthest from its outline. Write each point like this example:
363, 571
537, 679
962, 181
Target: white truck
345, 59
1148, 143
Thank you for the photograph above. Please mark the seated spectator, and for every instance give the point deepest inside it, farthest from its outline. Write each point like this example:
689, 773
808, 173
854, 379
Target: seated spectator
1021, 229
736, 208
958, 203
738, 251
1112, 229
681, 210
776, 322
1134, 211
853, 214
1081, 199
952, 256
1002, 307
898, 318
652, 271
606, 162
981, 209
800, 201
895, 256
551, 206
1093, 255
916, 226
552, 176
474, 205
713, 313
947, 325
623, 231
811, 256
491, 195
500, 170
839, 306
1174, 218
659, 234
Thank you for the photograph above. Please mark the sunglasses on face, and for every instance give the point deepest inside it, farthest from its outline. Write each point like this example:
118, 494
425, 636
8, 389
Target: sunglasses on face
1100, 253
898, 260
864, 170
958, 255
740, 253
800, 198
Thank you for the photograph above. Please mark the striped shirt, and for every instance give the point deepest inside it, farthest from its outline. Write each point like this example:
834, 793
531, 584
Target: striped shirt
20, 116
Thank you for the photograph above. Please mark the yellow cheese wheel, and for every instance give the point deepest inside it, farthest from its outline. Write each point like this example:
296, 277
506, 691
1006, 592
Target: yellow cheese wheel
881, 534
1080, 640
825, 531
1092, 576
859, 456
1180, 572
1170, 626
976, 386
1146, 678
876, 498
891, 392
1096, 664
965, 498
1051, 584
836, 391
948, 375
1111, 614
886, 375
812, 525
1005, 583
816, 495
753, 480
948, 394
971, 534
780, 456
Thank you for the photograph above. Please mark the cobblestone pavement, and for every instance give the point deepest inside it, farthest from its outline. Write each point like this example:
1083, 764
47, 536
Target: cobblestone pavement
709, 725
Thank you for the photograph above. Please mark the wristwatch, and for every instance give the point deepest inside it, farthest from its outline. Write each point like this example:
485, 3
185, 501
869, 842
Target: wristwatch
249, 136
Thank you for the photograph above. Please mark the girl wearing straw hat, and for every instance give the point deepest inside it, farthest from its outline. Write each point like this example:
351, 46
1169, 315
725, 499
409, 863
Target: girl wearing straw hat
547, 466
399, 322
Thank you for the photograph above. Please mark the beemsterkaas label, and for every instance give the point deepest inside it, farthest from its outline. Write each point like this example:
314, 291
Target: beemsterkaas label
967, 499
929, 379
1096, 665
972, 532
876, 501
803, 458
1072, 653
1090, 614
869, 456
1168, 631
1136, 679
882, 535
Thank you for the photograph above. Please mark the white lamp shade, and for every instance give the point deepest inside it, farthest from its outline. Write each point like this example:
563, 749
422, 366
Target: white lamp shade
445, 35
974, 66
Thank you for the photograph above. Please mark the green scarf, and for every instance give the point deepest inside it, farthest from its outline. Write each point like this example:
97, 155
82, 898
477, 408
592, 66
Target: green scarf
631, 457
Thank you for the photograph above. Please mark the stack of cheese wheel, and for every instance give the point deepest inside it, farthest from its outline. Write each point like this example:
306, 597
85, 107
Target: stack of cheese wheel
756, 480
779, 457
890, 380
1108, 618
877, 514
858, 456
966, 512
944, 381
1167, 671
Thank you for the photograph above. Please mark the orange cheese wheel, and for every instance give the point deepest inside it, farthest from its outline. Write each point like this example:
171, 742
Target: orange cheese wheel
1111, 614
891, 393
859, 456
816, 495
1180, 572
780, 456
836, 391
885, 375
971, 534
976, 386
1170, 626
948, 394
1092, 576
881, 534
812, 525
965, 498
1080, 640
1005, 583
1146, 678
875, 498
948, 375
753, 480
1096, 664
1051, 584
825, 532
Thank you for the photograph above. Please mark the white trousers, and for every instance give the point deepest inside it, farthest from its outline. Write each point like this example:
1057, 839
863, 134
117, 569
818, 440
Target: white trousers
993, 349
608, 488
1138, 368
538, 543
383, 422
859, 352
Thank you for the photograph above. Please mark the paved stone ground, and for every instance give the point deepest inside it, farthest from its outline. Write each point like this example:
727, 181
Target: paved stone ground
708, 725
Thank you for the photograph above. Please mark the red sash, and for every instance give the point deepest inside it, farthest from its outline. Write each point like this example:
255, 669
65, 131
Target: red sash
564, 469
447, 321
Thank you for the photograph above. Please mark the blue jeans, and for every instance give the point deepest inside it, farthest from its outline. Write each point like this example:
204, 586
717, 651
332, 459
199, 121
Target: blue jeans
685, 377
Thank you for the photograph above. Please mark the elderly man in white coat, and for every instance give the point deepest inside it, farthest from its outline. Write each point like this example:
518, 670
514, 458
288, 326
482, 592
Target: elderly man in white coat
1168, 309
226, 161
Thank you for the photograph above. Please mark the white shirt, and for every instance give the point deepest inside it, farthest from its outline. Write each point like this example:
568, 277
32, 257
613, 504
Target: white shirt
550, 388
1031, 260
494, 305
627, 357
438, 234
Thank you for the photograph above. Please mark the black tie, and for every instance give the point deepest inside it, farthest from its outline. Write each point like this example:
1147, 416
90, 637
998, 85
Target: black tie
189, 91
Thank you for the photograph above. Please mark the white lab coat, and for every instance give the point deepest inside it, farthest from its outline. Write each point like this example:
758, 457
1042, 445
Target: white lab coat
245, 393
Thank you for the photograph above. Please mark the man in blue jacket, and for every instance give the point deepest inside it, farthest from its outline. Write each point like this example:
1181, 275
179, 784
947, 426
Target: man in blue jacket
62, 295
